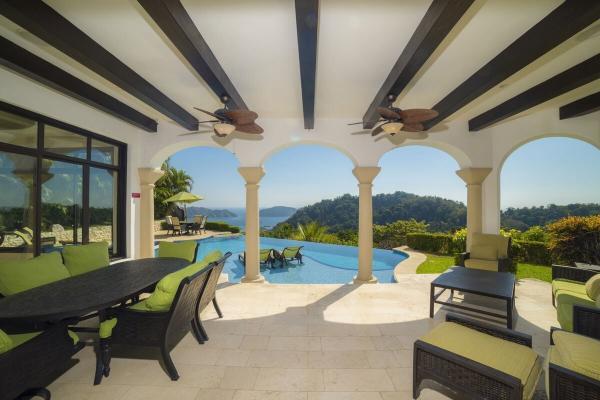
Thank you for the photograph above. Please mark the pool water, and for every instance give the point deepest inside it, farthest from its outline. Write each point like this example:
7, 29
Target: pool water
322, 263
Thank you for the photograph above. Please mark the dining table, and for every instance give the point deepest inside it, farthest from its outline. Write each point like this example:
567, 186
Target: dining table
75, 297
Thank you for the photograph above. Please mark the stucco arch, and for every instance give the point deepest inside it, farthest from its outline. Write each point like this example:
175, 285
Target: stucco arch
461, 158
291, 144
166, 151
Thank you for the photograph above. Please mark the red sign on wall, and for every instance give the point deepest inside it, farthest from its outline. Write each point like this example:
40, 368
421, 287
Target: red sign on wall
135, 195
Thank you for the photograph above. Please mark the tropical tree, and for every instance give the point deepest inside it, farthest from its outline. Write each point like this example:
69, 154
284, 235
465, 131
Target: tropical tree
314, 232
172, 182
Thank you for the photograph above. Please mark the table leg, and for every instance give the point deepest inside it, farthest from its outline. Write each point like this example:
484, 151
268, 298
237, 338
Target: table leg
509, 313
103, 355
431, 296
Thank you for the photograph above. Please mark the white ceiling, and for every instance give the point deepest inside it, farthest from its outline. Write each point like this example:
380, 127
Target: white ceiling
359, 41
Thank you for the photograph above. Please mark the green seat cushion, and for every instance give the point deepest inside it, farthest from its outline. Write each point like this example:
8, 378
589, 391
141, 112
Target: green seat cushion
592, 287
19, 275
567, 285
486, 265
564, 306
264, 255
85, 258
578, 353
106, 328
6, 342
185, 250
9, 342
166, 289
509, 357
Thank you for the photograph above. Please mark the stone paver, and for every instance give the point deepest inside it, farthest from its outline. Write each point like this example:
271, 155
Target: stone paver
319, 342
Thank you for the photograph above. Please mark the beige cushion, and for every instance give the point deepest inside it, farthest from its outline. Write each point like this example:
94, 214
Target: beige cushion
486, 265
502, 355
497, 241
592, 287
578, 353
483, 252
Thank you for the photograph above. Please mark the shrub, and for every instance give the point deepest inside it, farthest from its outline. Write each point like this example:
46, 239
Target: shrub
531, 252
221, 227
394, 234
575, 239
535, 234
431, 242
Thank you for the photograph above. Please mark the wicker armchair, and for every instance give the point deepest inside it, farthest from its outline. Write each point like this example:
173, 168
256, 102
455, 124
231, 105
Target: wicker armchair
26, 369
465, 378
501, 259
209, 295
162, 330
564, 383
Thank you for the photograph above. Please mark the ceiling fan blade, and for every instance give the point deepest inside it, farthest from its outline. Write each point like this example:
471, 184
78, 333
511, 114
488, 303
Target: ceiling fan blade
386, 113
206, 122
210, 113
241, 117
377, 130
416, 127
355, 123
195, 132
249, 128
414, 115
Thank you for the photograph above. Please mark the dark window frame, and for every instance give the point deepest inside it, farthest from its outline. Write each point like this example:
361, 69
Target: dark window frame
40, 154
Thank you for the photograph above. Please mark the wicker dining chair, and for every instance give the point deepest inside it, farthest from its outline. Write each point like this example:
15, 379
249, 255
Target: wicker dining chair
162, 330
209, 295
28, 368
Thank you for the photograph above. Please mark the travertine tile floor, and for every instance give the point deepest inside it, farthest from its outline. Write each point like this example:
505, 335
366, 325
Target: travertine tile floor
305, 342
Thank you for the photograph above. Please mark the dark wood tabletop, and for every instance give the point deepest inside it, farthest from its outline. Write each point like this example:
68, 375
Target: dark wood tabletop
86, 293
487, 283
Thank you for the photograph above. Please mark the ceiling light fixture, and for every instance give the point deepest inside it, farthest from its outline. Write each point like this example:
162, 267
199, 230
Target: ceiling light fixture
223, 129
392, 127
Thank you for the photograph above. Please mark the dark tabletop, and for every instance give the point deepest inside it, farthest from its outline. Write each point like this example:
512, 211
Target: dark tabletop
82, 294
487, 283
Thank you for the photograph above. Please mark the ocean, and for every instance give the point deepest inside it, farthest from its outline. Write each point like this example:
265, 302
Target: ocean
240, 219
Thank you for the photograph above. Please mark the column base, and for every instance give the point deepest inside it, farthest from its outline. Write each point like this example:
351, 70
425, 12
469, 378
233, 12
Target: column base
358, 281
256, 279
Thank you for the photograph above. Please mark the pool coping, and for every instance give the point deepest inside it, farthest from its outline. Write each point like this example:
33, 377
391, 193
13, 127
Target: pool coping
408, 266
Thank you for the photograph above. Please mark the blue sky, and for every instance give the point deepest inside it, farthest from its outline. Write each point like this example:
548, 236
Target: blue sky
551, 170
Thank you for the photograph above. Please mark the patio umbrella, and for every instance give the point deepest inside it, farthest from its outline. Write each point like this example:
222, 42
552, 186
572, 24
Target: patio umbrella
185, 198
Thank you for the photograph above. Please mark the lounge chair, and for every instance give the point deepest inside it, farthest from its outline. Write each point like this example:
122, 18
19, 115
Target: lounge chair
292, 253
60, 233
266, 257
46, 242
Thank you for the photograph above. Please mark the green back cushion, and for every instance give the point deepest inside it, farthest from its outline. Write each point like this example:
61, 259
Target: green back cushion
6, 342
86, 258
484, 252
166, 289
19, 275
592, 287
185, 250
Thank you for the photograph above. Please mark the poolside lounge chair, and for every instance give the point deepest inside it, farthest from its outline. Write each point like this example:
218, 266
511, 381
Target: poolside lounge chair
60, 233
46, 242
292, 253
266, 257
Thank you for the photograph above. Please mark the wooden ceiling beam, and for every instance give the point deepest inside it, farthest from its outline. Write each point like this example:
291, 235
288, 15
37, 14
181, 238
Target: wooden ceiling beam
559, 25
47, 24
437, 23
172, 18
38, 69
586, 105
307, 26
568, 80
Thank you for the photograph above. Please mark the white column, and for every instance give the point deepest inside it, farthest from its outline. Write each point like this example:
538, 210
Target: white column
491, 203
148, 176
473, 177
252, 175
365, 176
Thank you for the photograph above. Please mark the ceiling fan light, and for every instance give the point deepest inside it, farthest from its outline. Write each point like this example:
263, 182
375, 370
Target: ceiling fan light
392, 127
223, 129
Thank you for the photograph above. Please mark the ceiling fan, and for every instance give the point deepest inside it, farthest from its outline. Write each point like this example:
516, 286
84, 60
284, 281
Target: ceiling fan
396, 120
227, 121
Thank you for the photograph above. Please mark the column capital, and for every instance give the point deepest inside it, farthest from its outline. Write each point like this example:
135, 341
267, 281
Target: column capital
252, 175
148, 176
365, 174
473, 176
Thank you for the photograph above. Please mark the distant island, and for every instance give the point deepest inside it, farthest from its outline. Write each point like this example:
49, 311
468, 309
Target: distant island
209, 212
278, 211
442, 215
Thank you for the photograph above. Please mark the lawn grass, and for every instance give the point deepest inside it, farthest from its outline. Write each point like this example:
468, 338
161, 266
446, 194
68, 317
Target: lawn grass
436, 264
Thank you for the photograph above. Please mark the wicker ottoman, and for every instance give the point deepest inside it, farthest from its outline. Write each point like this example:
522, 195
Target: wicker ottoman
476, 361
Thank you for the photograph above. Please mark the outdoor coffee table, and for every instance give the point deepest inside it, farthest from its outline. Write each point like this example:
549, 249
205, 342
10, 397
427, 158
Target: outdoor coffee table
498, 285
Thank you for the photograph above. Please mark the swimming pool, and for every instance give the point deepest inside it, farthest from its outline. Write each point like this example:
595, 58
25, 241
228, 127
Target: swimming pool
323, 263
